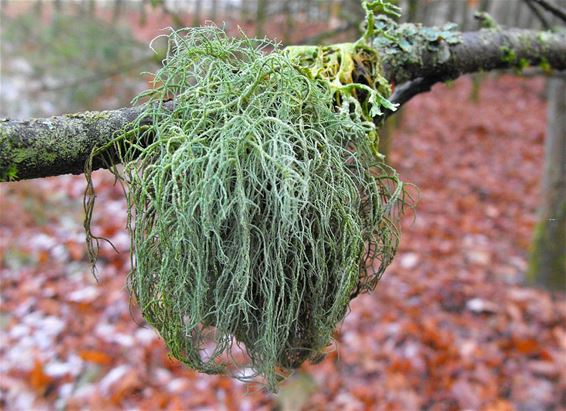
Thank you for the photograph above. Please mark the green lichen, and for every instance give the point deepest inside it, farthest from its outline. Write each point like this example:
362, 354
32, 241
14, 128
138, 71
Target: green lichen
543, 37
545, 66
487, 22
353, 73
405, 43
8, 170
90, 117
509, 56
526, 41
522, 64
9, 174
258, 207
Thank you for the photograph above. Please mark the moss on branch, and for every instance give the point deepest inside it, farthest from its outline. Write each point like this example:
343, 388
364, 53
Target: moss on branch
56, 145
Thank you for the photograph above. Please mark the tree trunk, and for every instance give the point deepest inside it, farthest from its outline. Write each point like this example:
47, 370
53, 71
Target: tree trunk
196, 13
452, 11
214, 10
412, 11
547, 266
289, 21
386, 133
117, 10
261, 13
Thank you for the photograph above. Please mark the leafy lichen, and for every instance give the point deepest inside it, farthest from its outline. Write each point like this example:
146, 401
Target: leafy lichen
487, 22
405, 42
352, 71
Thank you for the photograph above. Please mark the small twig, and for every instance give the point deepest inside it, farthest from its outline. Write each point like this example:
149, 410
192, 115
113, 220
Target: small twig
406, 91
486, 21
100, 76
317, 38
540, 16
552, 9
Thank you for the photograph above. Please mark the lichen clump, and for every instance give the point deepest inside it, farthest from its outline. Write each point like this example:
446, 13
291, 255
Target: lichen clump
257, 208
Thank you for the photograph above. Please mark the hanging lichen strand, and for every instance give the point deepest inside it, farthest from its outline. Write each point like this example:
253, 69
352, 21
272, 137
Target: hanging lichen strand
257, 208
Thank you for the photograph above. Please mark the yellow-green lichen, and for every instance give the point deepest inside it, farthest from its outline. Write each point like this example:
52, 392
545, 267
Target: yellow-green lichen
353, 71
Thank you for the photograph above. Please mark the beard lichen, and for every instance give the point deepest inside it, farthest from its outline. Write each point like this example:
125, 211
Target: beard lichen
257, 206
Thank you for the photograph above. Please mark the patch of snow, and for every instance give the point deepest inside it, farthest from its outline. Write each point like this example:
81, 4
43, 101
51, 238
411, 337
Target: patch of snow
20, 356
177, 385
66, 390
60, 253
124, 340
43, 241
57, 369
162, 376
72, 366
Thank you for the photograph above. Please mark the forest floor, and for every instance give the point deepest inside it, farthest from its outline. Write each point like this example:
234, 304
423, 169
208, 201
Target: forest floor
449, 327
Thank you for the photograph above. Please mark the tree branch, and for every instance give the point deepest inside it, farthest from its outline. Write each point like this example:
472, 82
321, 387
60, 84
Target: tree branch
56, 145
62, 144
483, 50
410, 89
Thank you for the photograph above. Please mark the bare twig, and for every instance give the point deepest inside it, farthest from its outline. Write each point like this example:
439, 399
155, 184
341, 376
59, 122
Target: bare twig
100, 76
552, 9
406, 91
538, 14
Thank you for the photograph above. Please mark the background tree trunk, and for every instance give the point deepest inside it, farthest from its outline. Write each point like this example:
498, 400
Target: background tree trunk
213, 10
261, 12
547, 266
196, 13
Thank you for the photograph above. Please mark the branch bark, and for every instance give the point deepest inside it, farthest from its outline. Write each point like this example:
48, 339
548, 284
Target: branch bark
56, 145
483, 50
60, 145
530, 4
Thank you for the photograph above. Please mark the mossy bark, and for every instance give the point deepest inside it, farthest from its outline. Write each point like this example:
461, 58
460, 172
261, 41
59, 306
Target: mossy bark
547, 266
56, 145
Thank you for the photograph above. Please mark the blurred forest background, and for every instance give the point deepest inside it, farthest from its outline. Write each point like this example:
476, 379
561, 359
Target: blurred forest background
451, 326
